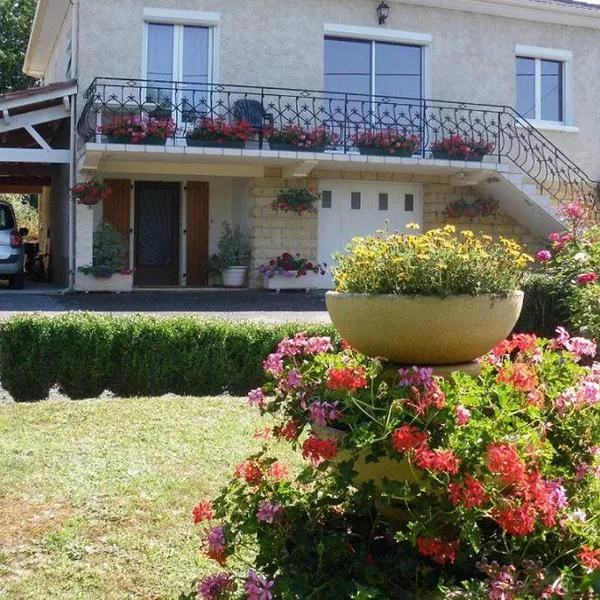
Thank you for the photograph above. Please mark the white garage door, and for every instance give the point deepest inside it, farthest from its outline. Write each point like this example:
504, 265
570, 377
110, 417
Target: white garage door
359, 208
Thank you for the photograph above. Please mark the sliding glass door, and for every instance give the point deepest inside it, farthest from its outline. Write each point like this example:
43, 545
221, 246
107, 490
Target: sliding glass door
370, 82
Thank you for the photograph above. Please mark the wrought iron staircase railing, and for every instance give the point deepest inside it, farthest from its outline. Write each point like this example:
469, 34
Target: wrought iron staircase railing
512, 137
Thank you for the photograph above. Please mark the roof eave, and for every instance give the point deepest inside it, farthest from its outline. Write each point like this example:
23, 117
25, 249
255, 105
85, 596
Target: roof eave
37, 57
574, 16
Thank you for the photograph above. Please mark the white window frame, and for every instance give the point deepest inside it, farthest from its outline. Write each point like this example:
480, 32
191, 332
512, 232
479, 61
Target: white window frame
566, 58
179, 19
373, 34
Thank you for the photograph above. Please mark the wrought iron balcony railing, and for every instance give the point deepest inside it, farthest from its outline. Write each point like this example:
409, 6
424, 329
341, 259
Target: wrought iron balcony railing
508, 136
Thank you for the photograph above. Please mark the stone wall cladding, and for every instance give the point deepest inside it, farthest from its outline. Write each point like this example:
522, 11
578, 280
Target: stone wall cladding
273, 233
439, 195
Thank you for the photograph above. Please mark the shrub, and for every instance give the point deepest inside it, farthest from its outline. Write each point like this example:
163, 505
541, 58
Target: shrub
483, 487
141, 356
433, 264
564, 289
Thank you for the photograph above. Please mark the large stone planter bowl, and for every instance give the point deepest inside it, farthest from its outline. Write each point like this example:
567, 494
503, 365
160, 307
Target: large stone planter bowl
424, 330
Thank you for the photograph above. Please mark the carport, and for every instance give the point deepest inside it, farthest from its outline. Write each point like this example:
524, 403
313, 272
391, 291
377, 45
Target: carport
35, 158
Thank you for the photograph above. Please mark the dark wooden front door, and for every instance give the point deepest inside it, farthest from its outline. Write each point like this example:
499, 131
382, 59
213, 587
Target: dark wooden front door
157, 234
197, 233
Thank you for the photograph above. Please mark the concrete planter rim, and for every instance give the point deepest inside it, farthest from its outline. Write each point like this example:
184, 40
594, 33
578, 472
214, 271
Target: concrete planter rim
364, 295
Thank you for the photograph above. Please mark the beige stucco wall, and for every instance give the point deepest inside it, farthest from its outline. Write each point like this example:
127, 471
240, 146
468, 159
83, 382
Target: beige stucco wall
273, 233
280, 43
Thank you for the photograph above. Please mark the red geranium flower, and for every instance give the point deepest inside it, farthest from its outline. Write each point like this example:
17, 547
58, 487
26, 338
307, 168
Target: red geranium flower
589, 558
504, 461
347, 379
250, 471
203, 512
439, 461
516, 520
471, 494
408, 437
438, 550
584, 278
317, 450
520, 375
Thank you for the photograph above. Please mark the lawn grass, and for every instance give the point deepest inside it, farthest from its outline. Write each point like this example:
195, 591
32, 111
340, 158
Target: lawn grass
96, 496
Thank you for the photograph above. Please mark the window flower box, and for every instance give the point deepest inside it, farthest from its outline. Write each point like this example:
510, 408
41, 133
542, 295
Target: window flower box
218, 133
294, 138
282, 147
138, 130
289, 272
197, 143
310, 281
455, 147
117, 282
386, 142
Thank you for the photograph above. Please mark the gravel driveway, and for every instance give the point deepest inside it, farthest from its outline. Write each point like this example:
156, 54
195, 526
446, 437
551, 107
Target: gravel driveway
244, 305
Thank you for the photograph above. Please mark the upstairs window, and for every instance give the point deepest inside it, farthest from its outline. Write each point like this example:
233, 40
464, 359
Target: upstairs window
177, 53
541, 89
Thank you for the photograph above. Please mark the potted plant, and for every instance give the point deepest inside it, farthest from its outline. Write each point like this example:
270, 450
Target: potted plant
505, 503
386, 142
297, 200
234, 255
138, 130
433, 299
484, 207
296, 138
290, 271
457, 147
109, 270
89, 193
218, 133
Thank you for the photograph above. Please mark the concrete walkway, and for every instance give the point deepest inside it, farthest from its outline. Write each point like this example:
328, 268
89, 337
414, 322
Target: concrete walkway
243, 305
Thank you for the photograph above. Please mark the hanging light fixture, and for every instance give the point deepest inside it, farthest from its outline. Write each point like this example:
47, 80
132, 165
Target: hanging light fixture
383, 12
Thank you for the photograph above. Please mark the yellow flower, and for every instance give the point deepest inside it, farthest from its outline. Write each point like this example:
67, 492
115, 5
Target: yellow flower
450, 228
413, 226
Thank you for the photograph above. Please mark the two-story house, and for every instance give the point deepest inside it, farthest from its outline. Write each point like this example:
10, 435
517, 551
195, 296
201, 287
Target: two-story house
519, 77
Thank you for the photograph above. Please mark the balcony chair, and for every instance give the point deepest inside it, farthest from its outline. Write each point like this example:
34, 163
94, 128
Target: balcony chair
254, 113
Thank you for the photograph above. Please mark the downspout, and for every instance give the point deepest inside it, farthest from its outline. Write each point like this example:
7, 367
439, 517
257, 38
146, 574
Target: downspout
72, 220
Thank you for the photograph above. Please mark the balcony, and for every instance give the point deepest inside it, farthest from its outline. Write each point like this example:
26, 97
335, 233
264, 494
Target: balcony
510, 142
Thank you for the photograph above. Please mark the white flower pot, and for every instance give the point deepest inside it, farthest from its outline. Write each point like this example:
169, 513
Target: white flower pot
115, 283
310, 281
234, 276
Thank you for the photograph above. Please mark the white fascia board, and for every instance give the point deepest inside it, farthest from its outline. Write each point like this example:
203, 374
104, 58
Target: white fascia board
377, 33
39, 98
27, 155
181, 17
527, 10
49, 17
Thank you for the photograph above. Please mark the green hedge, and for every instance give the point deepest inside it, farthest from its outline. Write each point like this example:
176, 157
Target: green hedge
85, 354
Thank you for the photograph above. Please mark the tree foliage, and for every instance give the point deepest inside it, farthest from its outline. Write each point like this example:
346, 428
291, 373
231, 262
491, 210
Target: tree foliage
16, 17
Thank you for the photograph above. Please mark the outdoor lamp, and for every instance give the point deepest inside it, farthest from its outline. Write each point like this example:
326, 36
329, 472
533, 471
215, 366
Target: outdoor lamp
383, 12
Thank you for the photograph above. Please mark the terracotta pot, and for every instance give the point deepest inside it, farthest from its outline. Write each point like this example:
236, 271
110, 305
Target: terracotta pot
424, 330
